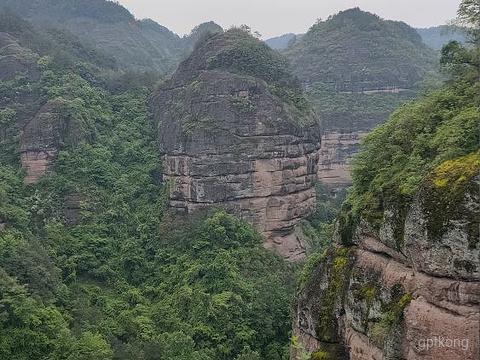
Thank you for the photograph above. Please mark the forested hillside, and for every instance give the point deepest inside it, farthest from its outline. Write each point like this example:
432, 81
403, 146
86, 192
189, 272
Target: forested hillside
92, 265
110, 28
357, 69
158, 194
405, 252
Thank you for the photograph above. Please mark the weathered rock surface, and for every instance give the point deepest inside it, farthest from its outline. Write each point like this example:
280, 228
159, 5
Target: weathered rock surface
228, 140
15, 59
415, 296
72, 207
43, 135
39, 141
338, 149
357, 69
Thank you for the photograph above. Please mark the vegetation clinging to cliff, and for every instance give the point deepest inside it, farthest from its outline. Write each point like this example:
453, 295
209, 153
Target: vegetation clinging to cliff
241, 52
397, 156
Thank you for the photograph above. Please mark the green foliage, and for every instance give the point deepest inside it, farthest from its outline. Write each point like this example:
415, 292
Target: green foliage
298, 347
65, 49
248, 55
243, 53
120, 279
446, 188
102, 30
353, 110
393, 315
324, 54
205, 290
459, 61
396, 156
340, 265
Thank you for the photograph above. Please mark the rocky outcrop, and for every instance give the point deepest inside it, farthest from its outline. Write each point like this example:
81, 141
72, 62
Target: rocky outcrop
15, 59
411, 294
338, 150
50, 129
39, 142
72, 208
229, 141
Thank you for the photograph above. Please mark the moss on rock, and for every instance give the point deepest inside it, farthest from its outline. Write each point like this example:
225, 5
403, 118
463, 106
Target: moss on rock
448, 189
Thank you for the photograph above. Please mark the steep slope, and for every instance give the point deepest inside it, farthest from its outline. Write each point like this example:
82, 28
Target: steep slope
357, 51
35, 122
401, 281
198, 33
107, 26
357, 69
235, 131
91, 267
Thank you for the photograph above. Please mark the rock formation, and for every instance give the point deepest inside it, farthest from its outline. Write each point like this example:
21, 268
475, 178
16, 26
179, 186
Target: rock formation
357, 68
230, 140
338, 150
39, 141
408, 291
16, 59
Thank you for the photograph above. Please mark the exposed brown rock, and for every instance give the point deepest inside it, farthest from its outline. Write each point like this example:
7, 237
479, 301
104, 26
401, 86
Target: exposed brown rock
229, 141
39, 141
36, 163
338, 149
72, 206
43, 135
403, 299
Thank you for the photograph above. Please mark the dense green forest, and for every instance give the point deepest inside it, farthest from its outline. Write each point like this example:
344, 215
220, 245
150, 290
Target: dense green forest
117, 275
355, 50
433, 140
123, 279
109, 28
357, 68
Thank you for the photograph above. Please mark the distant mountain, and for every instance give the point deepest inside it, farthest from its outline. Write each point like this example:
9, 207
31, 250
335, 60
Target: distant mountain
436, 37
281, 42
108, 26
357, 69
358, 51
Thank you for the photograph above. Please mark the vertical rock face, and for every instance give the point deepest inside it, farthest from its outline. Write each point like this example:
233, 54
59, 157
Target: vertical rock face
410, 294
48, 130
39, 141
228, 140
338, 149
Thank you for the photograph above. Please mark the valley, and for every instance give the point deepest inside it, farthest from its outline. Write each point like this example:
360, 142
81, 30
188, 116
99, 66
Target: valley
216, 196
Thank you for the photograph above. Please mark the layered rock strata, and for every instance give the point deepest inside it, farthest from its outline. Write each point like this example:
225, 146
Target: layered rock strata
407, 291
337, 152
39, 141
47, 131
229, 141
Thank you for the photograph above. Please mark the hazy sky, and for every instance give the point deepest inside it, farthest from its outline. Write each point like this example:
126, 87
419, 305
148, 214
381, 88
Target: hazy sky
272, 18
